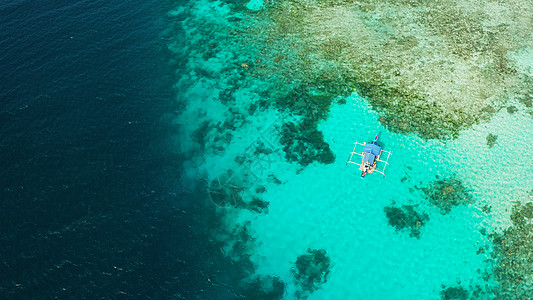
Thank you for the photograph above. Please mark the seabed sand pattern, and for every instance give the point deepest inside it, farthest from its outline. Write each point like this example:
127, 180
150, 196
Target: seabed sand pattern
434, 70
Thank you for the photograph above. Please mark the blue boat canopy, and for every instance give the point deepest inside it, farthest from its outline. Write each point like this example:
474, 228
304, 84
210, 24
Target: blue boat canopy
372, 148
370, 152
369, 158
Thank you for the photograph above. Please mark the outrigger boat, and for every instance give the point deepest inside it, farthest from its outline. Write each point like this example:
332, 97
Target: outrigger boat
370, 155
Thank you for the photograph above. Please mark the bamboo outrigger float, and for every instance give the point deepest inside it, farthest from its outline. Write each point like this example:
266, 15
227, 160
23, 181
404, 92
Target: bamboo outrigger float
371, 155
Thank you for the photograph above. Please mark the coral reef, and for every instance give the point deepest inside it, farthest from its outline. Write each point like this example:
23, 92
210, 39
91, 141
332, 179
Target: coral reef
513, 254
512, 109
313, 99
436, 69
214, 273
447, 193
262, 69
454, 292
239, 244
486, 208
407, 218
491, 140
227, 190
311, 271
304, 143
258, 205
274, 179
215, 138
260, 189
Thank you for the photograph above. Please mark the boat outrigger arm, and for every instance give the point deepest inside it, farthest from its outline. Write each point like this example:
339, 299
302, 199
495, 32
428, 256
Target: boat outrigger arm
371, 156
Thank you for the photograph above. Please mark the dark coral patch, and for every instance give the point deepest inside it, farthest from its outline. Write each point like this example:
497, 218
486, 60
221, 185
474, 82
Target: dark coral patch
200, 134
227, 191
454, 293
491, 140
513, 252
414, 114
311, 271
258, 205
224, 191
406, 218
213, 137
512, 109
313, 99
304, 143
446, 194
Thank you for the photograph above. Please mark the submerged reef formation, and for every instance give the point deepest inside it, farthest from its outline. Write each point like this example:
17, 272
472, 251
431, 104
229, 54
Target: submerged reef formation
227, 190
429, 68
237, 67
407, 218
304, 143
263, 288
454, 293
491, 140
258, 205
216, 262
237, 245
215, 137
311, 271
512, 109
513, 253
447, 193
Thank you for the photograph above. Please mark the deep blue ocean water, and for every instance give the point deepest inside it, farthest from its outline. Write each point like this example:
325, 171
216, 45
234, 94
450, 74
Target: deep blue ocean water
90, 201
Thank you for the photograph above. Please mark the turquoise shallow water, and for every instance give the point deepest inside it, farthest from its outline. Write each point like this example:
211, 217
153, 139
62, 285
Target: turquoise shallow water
328, 206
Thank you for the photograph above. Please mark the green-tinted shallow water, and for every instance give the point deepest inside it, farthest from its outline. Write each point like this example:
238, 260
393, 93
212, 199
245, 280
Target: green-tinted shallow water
443, 250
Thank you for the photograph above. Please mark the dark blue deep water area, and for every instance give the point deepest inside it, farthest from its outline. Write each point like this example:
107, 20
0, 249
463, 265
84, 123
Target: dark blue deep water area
90, 199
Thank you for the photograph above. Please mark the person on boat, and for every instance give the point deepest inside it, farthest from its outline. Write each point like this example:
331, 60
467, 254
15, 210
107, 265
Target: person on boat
365, 167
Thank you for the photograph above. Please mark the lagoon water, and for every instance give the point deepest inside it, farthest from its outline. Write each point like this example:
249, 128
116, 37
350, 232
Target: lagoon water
328, 206
144, 155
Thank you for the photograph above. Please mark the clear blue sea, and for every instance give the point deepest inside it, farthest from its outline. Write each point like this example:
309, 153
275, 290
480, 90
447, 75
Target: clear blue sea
143, 155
